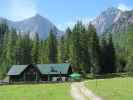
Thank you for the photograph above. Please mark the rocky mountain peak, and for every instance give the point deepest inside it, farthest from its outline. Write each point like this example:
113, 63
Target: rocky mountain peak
106, 18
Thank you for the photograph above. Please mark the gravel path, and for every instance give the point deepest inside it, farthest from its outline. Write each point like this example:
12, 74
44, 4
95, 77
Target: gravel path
80, 92
76, 92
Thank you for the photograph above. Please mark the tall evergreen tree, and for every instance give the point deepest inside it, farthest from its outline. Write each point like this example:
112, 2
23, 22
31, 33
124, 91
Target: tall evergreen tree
68, 45
35, 49
103, 55
43, 58
61, 50
3, 30
111, 56
8, 53
94, 49
19, 54
52, 47
129, 66
85, 42
108, 56
76, 46
26, 49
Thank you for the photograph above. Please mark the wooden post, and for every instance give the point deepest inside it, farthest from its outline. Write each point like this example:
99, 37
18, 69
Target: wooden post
36, 76
48, 77
24, 76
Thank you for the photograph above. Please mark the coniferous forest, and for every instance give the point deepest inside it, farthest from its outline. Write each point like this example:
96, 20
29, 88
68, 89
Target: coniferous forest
81, 46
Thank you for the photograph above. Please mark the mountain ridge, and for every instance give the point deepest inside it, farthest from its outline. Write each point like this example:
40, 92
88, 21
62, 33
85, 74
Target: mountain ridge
35, 24
106, 19
111, 20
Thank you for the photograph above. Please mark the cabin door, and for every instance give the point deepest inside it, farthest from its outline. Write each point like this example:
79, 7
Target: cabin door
31, 74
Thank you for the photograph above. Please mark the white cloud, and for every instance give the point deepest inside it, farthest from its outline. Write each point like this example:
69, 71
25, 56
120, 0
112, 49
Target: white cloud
21, 9
71, 24
124, 7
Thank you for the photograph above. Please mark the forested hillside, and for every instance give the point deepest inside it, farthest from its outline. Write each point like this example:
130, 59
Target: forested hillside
80, 46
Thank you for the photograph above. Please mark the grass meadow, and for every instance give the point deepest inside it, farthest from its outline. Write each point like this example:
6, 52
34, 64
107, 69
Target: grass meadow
59, 91
112, 88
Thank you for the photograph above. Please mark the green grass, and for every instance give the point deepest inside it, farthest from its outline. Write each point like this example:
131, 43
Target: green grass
113, 88
36, 92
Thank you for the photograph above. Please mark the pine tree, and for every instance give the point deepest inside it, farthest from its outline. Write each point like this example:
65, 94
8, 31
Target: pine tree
111, 56
94, 50
52, 47
43, 52
2, 58
61, 50
75, 46
85, 43
8, 53
129, 66
26, 46
68, 45
19, 54
108, 56
103, 56
3, 30
35, 49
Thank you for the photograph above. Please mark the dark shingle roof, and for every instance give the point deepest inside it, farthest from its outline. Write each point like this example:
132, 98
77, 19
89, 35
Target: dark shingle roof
17, 69
43, 68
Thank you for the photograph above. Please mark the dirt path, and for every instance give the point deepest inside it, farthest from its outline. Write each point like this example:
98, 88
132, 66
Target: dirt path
80, 92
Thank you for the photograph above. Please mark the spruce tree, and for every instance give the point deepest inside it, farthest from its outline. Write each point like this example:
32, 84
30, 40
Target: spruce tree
85, 42
75, 46
35, 49
26, 47
68, 45
3, 30
103, 56
108, 56
94, 50
111, 56
43, 52
52, 47
129, 66
19, 48
9, 50
61, 50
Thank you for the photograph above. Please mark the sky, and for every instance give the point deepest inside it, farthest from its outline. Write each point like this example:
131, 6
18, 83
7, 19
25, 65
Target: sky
62, 13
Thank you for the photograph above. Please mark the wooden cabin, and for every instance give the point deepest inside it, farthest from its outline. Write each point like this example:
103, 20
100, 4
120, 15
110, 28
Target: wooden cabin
39, 72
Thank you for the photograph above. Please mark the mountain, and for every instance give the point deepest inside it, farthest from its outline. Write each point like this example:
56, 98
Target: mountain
122, 24
106, 19
33, 25
113, 20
